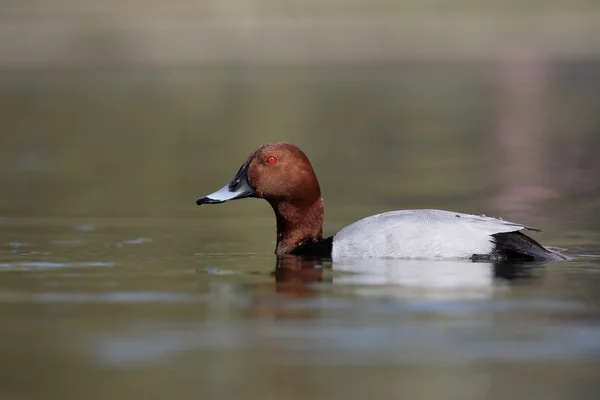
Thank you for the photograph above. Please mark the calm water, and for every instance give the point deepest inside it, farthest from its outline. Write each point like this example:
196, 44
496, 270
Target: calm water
113, 284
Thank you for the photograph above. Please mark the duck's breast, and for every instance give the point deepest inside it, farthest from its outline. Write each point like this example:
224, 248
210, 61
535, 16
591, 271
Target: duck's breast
420, 234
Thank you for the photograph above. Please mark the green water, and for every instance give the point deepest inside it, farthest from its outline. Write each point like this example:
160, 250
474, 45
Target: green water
114, 284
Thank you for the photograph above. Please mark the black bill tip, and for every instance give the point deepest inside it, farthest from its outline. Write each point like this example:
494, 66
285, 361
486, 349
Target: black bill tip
207, 200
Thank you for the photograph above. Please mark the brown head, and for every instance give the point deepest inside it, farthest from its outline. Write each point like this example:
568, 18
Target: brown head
281, 174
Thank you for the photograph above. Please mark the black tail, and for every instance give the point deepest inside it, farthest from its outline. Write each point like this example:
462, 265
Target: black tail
515, 246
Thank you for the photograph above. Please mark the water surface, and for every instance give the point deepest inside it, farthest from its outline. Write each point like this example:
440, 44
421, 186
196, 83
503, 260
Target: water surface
114, 284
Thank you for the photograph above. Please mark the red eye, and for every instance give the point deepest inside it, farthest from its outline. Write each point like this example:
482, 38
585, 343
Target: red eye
271, 160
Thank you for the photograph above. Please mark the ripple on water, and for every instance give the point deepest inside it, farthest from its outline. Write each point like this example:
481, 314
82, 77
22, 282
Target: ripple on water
107, 297
37, 265
16, 245
84, 228
69, 241
318, 343
134, 241
217, 271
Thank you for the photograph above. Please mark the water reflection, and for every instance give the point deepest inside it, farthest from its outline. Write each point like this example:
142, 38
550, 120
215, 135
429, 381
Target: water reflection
460, 279
402, 312
295, 275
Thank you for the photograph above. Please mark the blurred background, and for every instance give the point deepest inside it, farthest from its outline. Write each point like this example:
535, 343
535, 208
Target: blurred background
116, 115
123, 108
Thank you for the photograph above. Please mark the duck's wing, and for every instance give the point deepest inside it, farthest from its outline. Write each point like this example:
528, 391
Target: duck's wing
425, 234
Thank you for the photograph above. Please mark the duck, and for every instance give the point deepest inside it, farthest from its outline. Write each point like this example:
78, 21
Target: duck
282, 174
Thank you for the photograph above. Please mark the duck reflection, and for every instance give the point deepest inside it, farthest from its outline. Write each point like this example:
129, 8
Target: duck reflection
296, 275
299, 280
456, 279
426, 279
296, 280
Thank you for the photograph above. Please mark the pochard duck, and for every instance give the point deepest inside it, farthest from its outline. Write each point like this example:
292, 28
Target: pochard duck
281, 174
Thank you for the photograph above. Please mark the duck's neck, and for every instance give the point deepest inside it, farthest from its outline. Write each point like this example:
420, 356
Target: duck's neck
297, 225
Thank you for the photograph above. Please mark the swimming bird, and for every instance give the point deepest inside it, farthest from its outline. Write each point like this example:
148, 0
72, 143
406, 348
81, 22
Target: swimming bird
281, 174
